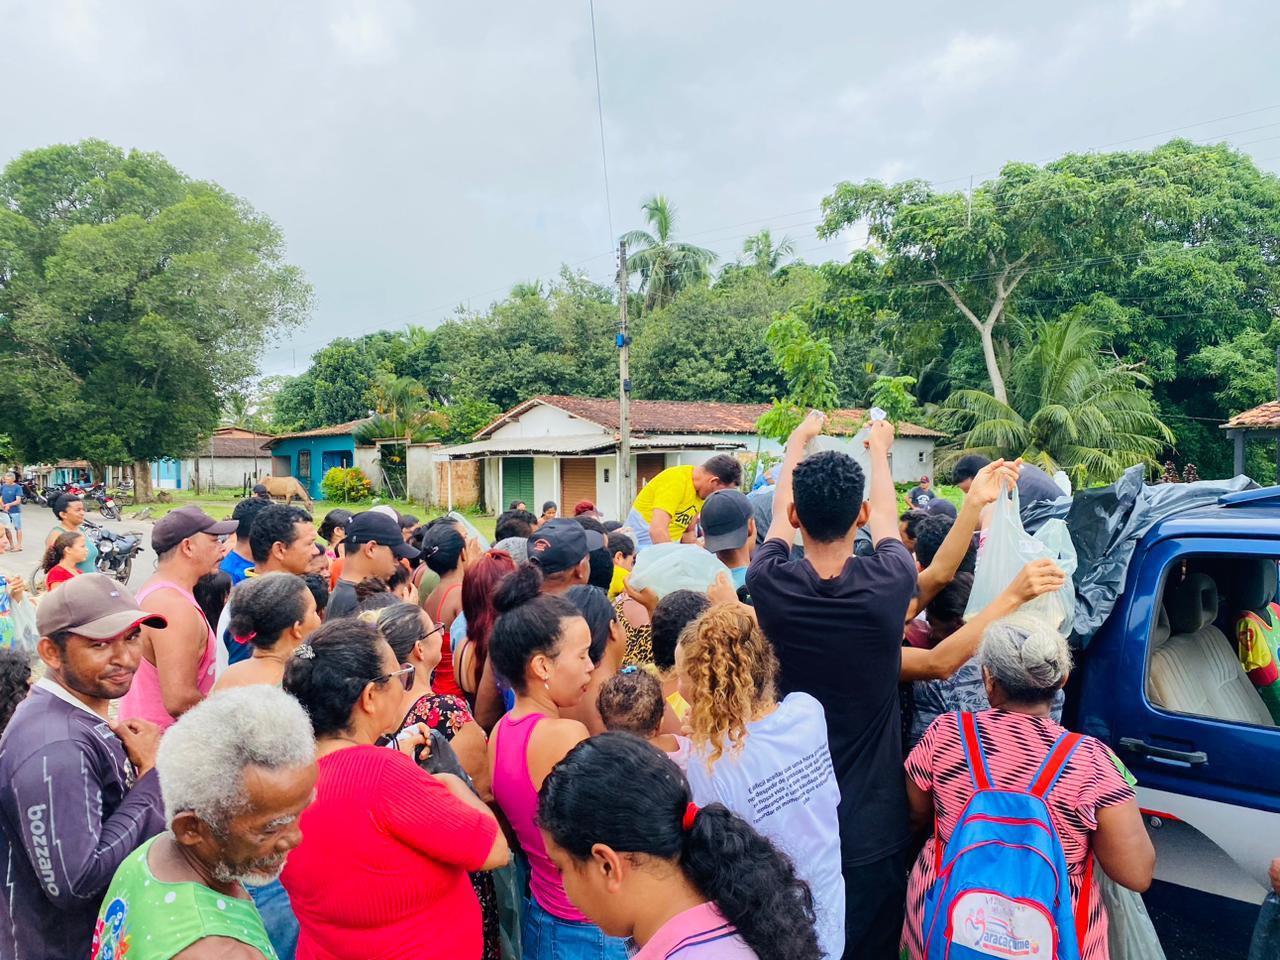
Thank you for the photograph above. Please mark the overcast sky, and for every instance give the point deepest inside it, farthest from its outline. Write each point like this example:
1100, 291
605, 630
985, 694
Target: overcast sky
423, 154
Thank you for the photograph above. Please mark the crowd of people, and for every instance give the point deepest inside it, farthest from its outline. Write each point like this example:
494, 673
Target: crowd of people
380, 738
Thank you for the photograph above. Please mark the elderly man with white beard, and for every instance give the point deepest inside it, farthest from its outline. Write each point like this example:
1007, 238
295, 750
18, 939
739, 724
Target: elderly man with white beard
236, 772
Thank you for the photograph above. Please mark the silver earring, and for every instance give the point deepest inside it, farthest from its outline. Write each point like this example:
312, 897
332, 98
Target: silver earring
546, 684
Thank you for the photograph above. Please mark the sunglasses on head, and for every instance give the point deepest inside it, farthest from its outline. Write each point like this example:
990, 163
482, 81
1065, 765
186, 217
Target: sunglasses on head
405, 674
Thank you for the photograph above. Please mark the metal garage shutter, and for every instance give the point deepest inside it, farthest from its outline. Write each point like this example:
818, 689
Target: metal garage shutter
577, 483
517, 482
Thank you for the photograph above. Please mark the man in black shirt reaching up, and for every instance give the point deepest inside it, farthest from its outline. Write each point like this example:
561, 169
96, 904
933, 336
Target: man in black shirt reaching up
836, 623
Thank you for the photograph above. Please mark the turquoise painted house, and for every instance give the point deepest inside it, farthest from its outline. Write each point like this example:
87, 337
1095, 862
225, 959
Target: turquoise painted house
310, 454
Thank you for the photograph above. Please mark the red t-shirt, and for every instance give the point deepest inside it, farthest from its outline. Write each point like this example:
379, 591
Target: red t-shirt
382, 867
59, 574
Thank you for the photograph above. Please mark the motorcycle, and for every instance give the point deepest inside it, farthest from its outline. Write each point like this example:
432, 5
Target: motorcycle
106, 503
116, 551
33, 494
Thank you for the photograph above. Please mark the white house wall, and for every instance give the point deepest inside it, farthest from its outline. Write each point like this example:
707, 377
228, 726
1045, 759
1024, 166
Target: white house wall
607, 489
544, 421
546, 483
225, 473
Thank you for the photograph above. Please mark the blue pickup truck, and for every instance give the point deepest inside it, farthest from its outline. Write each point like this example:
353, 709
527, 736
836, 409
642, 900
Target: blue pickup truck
1161, 683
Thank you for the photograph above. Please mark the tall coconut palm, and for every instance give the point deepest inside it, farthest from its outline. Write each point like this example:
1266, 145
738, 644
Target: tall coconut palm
665, 266
765, 255
1070, 408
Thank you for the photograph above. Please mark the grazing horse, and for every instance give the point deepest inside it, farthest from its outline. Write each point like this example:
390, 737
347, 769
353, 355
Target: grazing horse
287, 487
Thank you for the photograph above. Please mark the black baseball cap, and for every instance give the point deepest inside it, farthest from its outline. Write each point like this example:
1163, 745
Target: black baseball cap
724, 520
561, 544
374, 526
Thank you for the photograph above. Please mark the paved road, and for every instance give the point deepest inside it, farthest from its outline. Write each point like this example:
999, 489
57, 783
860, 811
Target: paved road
38, 521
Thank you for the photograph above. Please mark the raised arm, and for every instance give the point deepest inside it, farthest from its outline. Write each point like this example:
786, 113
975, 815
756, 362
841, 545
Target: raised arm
883, 497
780, 527
1036, 578
985, 488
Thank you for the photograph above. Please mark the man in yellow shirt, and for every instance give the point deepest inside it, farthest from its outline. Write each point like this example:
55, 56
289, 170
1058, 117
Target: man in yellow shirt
667, 506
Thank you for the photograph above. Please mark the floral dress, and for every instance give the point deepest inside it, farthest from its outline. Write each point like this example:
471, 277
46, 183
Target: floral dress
447, 715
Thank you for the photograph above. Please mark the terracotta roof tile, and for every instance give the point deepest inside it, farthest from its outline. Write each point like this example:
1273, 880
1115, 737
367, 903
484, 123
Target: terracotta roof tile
337, 430
672, 416
1266, 416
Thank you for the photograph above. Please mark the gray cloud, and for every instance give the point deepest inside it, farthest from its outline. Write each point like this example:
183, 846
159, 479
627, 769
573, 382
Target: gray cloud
421, 154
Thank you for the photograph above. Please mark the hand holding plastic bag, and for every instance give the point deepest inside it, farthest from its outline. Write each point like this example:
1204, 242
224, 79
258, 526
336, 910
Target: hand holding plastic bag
1009, 548
1130, 933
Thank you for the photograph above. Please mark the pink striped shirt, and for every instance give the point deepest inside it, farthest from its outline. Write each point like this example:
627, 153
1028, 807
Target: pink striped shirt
699, 932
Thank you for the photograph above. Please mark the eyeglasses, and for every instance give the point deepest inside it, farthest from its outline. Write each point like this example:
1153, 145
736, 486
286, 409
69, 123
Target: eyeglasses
405, 673
435, 628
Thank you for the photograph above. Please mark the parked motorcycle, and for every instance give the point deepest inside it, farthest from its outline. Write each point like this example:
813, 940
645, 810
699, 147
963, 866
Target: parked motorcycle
116, 551
31, 493
106, 503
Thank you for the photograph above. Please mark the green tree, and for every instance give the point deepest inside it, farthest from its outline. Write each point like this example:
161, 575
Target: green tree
894, 396
1070, 408
764, 255
133, 302
709, 342
806, 361
665, 265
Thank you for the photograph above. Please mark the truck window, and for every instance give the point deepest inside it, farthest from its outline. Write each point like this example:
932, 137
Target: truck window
1215, 647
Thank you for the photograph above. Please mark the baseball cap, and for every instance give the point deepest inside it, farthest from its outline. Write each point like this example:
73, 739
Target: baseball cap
92, 606
939, 505
374, 526
724, 520
925, 478
585, 507
260, 490
561, 544
186, 522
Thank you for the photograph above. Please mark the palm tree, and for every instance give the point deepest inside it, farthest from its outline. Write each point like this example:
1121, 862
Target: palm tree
1069, 408
764, 255
665, 266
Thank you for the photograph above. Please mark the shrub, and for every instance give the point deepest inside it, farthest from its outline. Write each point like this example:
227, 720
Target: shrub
346, 485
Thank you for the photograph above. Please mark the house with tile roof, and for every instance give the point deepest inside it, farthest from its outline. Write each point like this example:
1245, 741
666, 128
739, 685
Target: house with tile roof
566, 448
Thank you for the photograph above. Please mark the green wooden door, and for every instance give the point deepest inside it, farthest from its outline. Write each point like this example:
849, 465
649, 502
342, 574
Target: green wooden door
517, 482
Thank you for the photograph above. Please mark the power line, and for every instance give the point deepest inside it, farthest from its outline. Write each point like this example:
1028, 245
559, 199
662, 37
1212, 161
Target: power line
604, 155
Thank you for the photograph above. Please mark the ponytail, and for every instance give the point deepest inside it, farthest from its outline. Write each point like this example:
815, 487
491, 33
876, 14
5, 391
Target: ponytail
617, 790
529, 623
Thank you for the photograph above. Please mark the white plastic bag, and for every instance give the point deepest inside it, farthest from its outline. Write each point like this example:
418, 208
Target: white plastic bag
667, 567
1009, 548
1130, 933
470, 528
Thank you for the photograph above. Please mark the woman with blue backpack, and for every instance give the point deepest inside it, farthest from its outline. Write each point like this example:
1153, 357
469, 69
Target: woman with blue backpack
1019, 809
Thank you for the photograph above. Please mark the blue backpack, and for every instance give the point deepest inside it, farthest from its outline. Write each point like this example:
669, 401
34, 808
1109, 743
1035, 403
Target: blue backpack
1002, 888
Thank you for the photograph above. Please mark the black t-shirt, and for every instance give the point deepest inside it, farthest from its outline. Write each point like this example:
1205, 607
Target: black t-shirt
342, 602
840, 640
919, 497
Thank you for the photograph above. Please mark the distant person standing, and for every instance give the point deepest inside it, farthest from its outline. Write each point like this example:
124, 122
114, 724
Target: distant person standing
239, 559
921, 495
11, 505
665, 509
549, 511
729, 531
69, 510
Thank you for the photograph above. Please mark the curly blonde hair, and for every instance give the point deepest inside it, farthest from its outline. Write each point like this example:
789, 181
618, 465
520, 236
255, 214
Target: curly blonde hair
731, 670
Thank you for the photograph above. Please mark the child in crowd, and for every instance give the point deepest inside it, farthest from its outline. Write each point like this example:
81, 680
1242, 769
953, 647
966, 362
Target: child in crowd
631, 701
623, 550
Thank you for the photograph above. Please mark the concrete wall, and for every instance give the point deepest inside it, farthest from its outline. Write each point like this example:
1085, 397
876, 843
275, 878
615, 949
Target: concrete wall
366, 458
225, 473
421, 471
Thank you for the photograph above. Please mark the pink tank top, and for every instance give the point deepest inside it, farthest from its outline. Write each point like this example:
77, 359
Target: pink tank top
513, 789
144, 698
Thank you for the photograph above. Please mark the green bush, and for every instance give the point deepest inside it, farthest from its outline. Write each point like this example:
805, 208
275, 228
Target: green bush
346, 485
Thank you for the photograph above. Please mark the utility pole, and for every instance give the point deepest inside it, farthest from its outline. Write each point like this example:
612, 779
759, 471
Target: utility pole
624, 389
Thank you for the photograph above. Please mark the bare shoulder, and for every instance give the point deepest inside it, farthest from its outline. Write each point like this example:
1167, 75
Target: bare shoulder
219, 948
562, 732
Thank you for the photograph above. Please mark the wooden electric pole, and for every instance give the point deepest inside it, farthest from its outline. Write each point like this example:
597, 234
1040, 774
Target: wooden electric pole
624, 390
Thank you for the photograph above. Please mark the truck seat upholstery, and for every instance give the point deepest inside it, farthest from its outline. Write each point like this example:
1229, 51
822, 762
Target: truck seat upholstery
1194, 669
